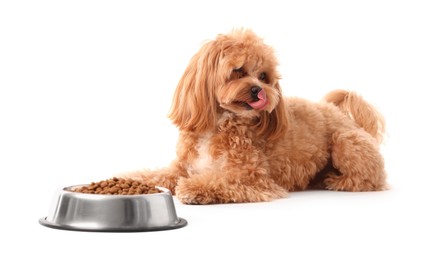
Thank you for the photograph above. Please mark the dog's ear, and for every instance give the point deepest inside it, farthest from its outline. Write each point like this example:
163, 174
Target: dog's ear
194, 106
273, 125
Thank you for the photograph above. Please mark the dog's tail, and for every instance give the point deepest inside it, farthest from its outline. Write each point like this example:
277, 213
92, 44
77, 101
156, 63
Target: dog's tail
362, 112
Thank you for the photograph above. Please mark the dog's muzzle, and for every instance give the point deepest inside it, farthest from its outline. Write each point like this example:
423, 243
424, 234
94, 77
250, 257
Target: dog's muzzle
254, 91
259, 99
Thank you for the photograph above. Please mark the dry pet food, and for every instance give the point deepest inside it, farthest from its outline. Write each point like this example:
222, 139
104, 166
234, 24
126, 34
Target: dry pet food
117, 186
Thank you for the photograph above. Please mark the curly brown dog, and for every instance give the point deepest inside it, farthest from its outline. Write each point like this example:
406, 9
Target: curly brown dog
242, 141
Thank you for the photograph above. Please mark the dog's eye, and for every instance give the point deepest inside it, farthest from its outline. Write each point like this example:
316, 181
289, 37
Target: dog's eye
239, 73
263, 77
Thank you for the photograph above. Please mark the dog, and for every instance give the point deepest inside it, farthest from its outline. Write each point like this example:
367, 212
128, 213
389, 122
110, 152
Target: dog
241, 141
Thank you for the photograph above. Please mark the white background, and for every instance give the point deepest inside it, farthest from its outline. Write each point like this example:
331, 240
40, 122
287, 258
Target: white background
85, 87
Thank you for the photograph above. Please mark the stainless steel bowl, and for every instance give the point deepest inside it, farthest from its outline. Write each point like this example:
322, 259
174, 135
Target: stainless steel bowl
113, 213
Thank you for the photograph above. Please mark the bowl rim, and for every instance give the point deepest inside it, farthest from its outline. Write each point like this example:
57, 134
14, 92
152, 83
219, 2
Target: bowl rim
68, 190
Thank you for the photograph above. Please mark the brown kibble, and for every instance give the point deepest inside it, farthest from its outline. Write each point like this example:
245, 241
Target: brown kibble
114, 190
116, 186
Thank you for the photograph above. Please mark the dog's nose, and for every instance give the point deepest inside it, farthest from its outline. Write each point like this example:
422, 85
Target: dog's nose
254, 92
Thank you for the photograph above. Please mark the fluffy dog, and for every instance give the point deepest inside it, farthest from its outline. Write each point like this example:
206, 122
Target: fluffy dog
242, 141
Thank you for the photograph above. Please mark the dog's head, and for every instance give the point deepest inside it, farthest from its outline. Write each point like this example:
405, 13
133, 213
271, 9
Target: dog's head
236, 72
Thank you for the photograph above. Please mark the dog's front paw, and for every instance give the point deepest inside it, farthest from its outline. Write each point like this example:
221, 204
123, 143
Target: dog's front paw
193, 196
208, 189
191, 191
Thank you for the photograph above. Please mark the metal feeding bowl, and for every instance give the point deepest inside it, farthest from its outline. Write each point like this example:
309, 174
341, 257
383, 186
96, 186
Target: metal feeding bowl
113, 213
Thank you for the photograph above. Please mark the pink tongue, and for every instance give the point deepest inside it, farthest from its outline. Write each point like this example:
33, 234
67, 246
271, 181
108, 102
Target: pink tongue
261, 103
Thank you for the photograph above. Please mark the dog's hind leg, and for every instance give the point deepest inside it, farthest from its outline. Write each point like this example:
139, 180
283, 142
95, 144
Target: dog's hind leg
355, 154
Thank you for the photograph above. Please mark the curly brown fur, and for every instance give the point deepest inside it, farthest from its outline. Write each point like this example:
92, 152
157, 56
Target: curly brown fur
242, 141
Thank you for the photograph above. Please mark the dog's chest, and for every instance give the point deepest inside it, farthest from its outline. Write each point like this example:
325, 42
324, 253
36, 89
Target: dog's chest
205, 161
